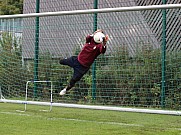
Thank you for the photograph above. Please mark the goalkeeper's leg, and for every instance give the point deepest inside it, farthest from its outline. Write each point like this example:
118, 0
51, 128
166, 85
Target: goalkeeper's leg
68, 61
72, 82
78, 74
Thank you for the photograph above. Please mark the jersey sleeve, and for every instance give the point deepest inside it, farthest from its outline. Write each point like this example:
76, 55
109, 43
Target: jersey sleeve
88, 38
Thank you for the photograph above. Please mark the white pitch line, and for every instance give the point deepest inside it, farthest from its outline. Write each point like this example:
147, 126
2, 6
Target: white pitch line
20, 114
98, 122
77, 120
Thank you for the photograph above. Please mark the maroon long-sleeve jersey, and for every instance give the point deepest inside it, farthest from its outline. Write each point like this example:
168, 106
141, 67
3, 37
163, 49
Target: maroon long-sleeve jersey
90, 51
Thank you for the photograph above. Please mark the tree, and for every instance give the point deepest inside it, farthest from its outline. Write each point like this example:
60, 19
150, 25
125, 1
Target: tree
9, 7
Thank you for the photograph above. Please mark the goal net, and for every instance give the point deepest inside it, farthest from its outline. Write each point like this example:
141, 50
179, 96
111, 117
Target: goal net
141, 67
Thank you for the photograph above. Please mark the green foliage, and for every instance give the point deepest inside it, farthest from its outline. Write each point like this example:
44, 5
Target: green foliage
12, 73
49, 70
173, 80
122, 79
136, 80
8, 7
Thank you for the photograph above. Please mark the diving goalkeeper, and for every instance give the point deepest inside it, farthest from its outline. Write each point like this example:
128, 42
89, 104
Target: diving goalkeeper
94, 46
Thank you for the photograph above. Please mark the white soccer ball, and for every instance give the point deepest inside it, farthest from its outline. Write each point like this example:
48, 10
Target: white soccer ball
99, 37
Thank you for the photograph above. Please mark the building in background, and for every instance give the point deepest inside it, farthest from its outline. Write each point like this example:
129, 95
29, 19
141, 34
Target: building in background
61, 35
13, 26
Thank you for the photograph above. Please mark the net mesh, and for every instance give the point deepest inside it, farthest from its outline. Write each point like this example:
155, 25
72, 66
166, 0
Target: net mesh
129, 74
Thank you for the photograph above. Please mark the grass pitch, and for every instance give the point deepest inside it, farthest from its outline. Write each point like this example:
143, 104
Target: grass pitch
71, 121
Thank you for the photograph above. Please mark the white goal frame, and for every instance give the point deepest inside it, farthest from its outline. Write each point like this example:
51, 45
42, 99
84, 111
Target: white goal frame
26, 102
1, 95
90, 11
26, 95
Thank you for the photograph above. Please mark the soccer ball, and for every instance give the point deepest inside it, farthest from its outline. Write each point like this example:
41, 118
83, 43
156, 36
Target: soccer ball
99, 37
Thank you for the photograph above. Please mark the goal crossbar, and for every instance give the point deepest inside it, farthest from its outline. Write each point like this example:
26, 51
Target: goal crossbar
91, 11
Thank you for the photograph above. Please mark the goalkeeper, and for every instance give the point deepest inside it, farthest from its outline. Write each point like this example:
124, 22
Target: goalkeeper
94, 46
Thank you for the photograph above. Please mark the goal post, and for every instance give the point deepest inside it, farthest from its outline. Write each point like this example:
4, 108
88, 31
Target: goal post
135, 72
1, 95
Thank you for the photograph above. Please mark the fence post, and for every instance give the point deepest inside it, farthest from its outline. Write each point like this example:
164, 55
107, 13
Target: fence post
163, 55
94, 64
36, 48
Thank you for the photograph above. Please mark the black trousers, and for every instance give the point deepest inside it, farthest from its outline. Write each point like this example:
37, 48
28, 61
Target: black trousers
79, 70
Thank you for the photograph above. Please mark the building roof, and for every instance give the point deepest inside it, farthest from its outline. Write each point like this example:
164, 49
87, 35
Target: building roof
61, 35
